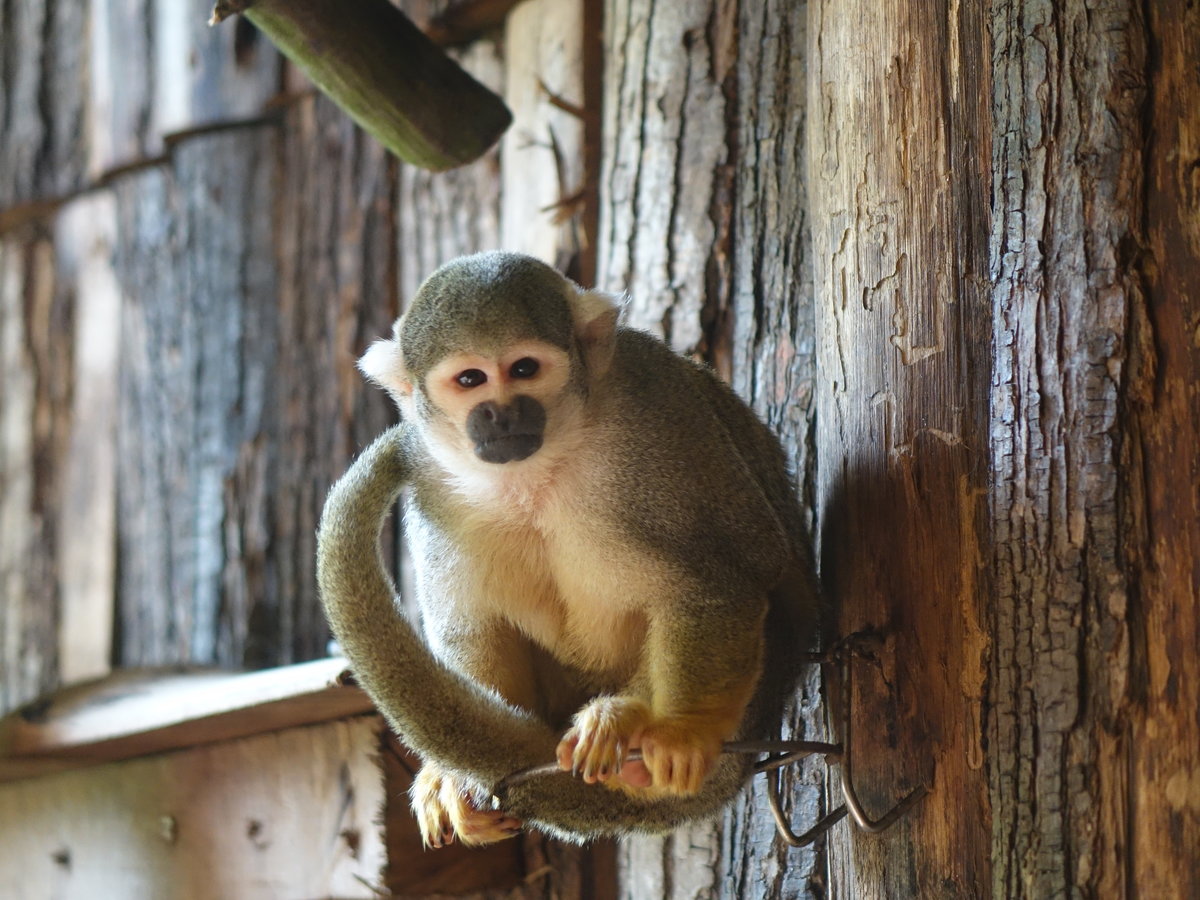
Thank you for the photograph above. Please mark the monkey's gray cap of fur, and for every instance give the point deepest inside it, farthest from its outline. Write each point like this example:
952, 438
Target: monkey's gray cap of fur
498, 294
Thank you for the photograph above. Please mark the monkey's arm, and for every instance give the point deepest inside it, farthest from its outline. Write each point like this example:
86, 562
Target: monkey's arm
422, 699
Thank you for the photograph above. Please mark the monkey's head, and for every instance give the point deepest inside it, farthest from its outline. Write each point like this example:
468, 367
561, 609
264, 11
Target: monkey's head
495, 356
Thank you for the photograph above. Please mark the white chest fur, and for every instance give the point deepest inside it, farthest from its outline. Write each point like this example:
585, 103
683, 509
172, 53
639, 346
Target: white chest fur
533, 550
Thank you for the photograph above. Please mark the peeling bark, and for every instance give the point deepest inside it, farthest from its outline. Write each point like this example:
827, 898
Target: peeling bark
899, 180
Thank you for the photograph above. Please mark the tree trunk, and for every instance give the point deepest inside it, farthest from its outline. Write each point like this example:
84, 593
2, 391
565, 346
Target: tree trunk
899, 159
1094, 449
704, 222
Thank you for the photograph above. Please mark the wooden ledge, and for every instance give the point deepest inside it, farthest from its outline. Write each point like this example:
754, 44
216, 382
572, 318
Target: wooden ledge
140, 712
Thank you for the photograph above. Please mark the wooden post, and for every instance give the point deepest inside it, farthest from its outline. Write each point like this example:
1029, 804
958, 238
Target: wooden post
899, 189
1095, 450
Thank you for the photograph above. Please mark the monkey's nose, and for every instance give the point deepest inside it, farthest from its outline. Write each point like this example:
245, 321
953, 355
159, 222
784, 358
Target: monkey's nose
507, 433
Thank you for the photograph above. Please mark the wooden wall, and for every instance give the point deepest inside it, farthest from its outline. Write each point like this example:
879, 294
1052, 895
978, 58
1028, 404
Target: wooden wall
948, 250
194, 249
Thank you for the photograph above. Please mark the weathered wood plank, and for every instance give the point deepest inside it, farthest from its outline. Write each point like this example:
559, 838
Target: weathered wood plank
140, 712
43, 100
158, 69
257, 264
57, 467
290, 814
899, 186
37, 384
543, 154
198, 343
85, 561
336, 245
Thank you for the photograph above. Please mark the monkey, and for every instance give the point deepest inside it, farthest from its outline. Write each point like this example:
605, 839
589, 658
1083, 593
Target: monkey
610, 556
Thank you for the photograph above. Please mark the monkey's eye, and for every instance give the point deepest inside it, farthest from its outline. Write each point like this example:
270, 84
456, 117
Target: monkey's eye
471, 378
526, 367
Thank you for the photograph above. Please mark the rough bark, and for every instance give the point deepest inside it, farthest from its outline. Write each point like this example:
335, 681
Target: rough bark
899, 187
1096, 259
158, 69
768, 334
703, 221
666, 151
35, 385
257, 266
43, 100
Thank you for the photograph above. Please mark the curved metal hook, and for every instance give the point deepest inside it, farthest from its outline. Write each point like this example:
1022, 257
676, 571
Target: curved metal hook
861, 819
783, 753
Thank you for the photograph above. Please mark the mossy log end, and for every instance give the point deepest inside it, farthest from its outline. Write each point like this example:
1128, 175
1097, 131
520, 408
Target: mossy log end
381, 69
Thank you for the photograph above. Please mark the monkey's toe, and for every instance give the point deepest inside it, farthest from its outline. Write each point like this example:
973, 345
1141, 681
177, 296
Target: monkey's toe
678, 757
487, 826
596, 744
445, 811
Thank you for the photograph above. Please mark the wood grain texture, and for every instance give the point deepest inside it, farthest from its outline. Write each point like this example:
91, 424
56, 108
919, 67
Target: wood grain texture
290, 814
335, 241
664, 174
158, 69
43, 100
899, 186
57, 413
258, 265
86, 552
766, 337
198, 343
33, 417
1097, 263
704, 219
141, 712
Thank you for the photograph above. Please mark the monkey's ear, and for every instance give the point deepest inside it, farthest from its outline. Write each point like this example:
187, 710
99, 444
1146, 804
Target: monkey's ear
383, 364
595, 316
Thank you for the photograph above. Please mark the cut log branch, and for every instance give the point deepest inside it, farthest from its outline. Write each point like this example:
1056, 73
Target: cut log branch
386, 74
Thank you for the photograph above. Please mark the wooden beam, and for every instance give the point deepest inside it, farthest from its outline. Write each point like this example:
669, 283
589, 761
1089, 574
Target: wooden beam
381, 69
136, 713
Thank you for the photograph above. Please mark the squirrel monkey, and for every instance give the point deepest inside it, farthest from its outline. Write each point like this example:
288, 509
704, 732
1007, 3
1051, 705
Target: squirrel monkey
600, 531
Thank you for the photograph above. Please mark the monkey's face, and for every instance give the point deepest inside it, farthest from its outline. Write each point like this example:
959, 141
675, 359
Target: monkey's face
499, 407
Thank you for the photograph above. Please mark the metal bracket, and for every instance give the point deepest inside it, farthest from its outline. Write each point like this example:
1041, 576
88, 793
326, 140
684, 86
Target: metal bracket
793, 751
783, 753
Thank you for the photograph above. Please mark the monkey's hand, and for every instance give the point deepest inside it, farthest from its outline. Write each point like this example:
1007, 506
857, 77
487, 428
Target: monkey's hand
601, 736
445, 810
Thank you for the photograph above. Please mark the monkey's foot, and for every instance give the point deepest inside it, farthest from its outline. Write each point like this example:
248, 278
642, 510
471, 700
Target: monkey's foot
679, 753
445, 810
601, 736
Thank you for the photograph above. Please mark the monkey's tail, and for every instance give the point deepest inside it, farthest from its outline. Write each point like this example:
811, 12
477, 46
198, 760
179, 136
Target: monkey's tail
436, 709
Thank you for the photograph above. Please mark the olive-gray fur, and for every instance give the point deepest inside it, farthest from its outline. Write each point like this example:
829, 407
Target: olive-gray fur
697, 479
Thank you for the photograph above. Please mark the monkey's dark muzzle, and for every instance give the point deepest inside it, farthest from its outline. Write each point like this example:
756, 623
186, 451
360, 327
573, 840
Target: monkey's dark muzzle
510, 448
507, 433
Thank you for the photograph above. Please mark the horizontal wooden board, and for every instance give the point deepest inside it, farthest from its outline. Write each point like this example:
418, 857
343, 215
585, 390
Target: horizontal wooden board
290, 814
136, 713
